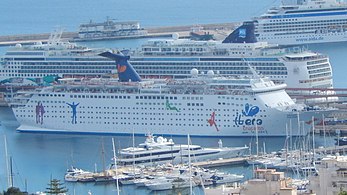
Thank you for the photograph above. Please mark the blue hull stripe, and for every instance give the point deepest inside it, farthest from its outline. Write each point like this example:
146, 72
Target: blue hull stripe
309, 15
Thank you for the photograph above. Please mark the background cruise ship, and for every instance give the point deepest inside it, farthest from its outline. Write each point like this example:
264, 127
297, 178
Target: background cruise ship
294, 66
199, 106
303, 21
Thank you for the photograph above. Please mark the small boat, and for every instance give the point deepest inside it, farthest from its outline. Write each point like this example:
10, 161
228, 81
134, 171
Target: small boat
182, 183
341, 141
104, 178
74, 174
161, 183
141, 181
222, 178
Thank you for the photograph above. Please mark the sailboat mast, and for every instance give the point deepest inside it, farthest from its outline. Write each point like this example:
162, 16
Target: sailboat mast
103, 155
11, 172
190, 167
9, 184
325, 140
115, 164
256, 138
134, 153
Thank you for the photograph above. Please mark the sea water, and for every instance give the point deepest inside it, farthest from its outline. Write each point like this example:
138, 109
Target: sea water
39, 157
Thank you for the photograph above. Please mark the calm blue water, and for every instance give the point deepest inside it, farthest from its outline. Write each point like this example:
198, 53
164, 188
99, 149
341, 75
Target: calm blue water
32, 16
38, 157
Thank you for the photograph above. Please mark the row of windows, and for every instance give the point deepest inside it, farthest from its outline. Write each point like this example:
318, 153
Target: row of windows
319, 71
285, 21
320, 75
317, 61
170, 65
81, 121
106, 109
326, 65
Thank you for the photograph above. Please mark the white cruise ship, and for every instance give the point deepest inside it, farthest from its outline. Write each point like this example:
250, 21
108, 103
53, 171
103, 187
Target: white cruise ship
303, 22
173, 58
206, 105
161, 151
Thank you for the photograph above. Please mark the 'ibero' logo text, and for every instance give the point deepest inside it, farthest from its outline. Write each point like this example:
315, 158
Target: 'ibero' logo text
244, 118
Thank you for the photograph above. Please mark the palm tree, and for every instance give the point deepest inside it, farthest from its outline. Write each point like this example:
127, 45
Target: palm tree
55, 187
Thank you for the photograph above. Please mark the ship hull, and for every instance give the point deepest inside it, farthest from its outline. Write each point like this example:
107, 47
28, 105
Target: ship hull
197, 115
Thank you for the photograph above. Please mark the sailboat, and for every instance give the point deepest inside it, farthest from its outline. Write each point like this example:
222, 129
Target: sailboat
131, 175
104, 176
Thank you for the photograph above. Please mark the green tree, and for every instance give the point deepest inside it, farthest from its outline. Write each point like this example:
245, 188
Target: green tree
342, 192
55, 187
14, 191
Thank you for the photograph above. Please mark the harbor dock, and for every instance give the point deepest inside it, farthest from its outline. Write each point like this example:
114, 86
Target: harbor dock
219, 30
221, 162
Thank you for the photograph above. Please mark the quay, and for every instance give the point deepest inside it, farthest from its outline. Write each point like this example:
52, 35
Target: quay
333, 150
221, 162
220, 31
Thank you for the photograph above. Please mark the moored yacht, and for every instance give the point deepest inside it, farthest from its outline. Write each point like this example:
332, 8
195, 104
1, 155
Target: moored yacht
162, 151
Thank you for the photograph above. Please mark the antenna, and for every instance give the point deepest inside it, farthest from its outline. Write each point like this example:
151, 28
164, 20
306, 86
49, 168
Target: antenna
253, 71
55, 36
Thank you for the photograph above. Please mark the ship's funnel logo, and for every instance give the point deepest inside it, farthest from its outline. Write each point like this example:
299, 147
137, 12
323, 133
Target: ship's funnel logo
121, 69
242, 33
250, 111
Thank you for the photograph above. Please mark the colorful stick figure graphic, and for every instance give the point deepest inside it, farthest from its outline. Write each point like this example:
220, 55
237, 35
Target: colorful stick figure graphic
74, 112
39, 113
169, 107
212, 120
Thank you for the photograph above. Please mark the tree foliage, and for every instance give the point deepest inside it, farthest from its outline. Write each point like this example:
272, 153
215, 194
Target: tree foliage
14, 191
342, 192
55, 187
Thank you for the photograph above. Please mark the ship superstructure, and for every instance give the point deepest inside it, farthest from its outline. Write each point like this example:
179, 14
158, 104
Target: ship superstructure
174, 58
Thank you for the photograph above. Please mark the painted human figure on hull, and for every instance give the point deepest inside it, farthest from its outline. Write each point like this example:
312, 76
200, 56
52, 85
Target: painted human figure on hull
74, 112
39, 113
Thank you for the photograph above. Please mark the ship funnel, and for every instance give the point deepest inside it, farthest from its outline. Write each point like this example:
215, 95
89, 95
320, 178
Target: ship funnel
243, 34
125, 70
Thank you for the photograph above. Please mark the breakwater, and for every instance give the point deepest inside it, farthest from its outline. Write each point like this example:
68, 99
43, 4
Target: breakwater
219, 30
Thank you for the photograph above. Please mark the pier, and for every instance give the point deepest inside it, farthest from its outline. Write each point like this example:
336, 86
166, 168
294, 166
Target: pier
220, 31
221, 162
333, 150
